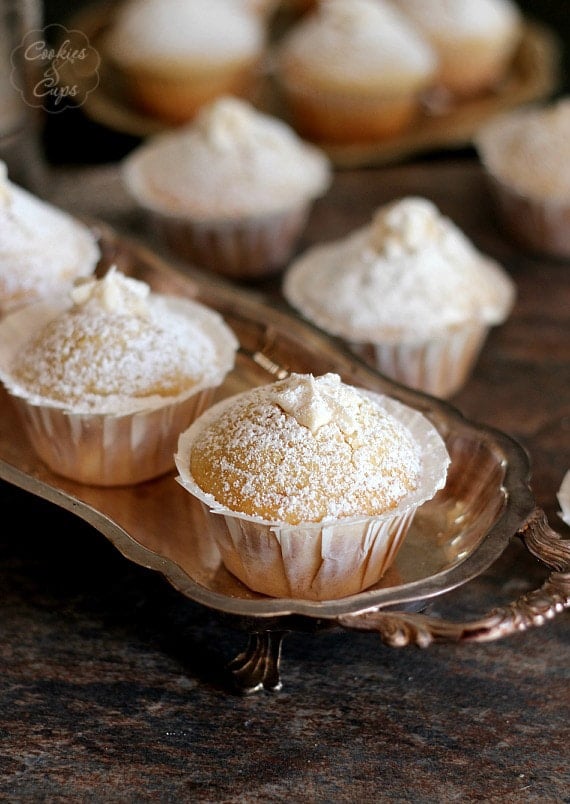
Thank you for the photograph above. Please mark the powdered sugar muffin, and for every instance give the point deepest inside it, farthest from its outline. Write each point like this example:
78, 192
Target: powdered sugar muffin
525, 155
353, 71
176, 56
408, 292
265, 8
230, 192
475, 41
106, 381
42, 248
311, 484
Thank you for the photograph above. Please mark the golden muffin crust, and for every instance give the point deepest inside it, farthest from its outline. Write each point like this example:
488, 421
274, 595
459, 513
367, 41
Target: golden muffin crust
303, 450
116, 344
103, 355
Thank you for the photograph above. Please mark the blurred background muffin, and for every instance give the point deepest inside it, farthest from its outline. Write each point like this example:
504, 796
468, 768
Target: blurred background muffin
353, 71
265, 8
475, 41
42, 248
408, 292
105, 380
174, 56
525, 155
231, 191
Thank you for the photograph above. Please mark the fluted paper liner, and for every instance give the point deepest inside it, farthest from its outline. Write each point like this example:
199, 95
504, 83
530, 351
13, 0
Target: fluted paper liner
317, 560
541, 225
248, 242
111, 448
244, 248
439, 366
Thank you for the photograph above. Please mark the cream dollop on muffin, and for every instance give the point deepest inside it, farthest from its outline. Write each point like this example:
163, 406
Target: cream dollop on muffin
231, 191
408, 278
42, 248
104, 382
310, 484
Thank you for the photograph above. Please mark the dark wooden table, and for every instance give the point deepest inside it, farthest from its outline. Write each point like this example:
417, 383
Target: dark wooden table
114, 687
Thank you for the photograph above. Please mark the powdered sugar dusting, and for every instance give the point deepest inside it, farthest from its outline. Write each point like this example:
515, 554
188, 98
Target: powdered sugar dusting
448, 19
409, 274
157, 31
262, 460
529, 150
367, 41
132, 353
231, 161
42, 248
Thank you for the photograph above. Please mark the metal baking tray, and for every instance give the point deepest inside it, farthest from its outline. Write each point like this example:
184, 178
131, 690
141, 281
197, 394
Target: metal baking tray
454, 538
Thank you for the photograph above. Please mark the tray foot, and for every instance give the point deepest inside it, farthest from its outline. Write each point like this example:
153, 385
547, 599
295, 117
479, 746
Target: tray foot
257, 668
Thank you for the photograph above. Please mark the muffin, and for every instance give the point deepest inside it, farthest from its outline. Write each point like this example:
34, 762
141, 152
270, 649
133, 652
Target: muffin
408, 292
173, 57
310, 484
42, 249
475, 42
231, 191
264, 8
105, 382
353, 71
524, 155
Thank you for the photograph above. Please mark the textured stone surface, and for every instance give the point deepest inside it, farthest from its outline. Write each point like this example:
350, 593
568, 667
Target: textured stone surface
113, 686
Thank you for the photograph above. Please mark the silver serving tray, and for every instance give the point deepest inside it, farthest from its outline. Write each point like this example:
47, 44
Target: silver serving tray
454, 538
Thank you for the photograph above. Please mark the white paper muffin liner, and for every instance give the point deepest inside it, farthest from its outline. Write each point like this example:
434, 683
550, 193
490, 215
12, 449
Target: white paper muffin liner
537, 224
517, 151
244, 248
128, 446
105, 450
439, 366
322, 560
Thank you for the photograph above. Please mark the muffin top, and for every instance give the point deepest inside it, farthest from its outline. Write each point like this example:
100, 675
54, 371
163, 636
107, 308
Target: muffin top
42, 248
231, 161
116, 348
359, 45
166, 34
407, 275
448, 20
526, 150
308, 449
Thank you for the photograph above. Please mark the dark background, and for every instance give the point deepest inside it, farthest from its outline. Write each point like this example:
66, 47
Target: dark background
70, 138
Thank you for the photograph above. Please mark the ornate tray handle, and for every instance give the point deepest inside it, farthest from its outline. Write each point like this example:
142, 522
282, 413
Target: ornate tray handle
257, 667
531, 609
